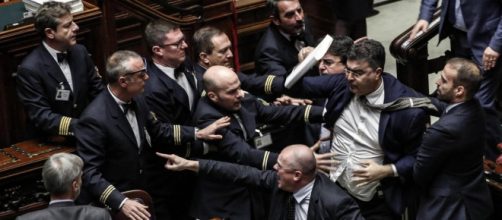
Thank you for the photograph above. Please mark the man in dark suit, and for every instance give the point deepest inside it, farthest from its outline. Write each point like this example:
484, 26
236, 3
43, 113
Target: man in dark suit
171, 93
225, 98
62, 176
449, 164
297, 190
475, 31
276, 52
58, 79
380, 176
117, 135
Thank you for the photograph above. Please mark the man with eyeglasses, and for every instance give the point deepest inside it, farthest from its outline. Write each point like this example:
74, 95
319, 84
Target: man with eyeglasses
375, 149
172, 94
117, 137
58, 79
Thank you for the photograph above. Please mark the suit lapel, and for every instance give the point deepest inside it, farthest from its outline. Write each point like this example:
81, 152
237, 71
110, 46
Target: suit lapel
248, 122
52, 67
141, 123
75, 68
314, 200
120, 119
176, 90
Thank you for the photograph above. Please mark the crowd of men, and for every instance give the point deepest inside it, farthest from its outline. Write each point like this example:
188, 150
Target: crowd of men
187, 131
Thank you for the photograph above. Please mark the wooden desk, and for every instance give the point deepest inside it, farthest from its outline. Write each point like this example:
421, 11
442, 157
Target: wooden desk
21, 188
15, 44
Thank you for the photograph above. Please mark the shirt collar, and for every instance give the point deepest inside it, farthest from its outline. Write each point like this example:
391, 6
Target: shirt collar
304, 192
53, 52
117, 100
376, 97
451, 106
60, 201
169, 71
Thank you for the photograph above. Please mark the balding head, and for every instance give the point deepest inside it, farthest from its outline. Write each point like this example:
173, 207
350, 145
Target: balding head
223, 87
296, 167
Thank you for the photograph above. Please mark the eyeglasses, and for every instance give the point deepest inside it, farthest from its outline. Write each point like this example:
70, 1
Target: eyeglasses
177, 44
329, 62
356, 73
142, 73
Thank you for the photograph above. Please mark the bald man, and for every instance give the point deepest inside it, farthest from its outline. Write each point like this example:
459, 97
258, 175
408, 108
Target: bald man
295, 186
224, 97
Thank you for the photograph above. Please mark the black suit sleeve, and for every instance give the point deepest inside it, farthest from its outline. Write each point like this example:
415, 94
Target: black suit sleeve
288, 114
238, 173
91, 138
38, 106
432, 154
233, 148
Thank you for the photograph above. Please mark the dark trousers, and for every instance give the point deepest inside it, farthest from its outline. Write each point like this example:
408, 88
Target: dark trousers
376, 208
486, 94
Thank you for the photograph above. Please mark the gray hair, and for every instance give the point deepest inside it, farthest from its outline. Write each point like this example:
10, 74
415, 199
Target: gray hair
59, 171
48, 15
117, 64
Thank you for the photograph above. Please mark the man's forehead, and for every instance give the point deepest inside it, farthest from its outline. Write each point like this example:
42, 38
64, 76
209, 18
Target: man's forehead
357, 63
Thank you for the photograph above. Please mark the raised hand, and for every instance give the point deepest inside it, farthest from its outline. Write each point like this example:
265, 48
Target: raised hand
209, 132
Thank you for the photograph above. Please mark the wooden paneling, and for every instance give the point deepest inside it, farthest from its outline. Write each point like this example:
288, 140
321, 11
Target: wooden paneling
15, 44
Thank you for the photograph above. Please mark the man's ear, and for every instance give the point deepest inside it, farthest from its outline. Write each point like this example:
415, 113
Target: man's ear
157, 50
203, 57
212, 96
298, 175
123, 81
378, 72
49, 33
459, 91
275, 20
75, 185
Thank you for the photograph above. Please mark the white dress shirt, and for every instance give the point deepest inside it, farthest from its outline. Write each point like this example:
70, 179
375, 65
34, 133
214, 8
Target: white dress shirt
355, 139
302, 198
64, 66
131, 118
181, 80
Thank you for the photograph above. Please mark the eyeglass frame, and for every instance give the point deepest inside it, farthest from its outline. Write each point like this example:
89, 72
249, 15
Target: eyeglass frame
142, 71
178, 44
356, 73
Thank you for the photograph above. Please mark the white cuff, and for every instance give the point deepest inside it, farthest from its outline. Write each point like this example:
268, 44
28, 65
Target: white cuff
394, 170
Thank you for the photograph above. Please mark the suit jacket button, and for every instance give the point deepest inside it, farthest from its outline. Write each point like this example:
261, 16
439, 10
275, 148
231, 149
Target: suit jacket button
74, 105
140, 171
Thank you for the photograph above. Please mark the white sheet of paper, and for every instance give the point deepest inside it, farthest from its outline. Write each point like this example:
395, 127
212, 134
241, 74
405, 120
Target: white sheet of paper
308, 62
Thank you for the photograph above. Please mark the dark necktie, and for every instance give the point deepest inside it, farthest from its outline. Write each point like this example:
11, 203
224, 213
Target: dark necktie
401, 103
291, 207
61, 57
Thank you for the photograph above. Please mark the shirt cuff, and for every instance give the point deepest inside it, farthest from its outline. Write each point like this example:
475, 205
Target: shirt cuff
205, 148
394, 170
195, 130
122, 203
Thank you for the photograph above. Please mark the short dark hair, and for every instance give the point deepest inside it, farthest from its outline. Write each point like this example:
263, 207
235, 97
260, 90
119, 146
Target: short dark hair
202, 39
468, 75
48, 16
117, 65
272, 7
59, 171
370, 51
340, 47
155, 32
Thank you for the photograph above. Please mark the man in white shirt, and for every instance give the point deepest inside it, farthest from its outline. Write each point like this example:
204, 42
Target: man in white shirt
58, 79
